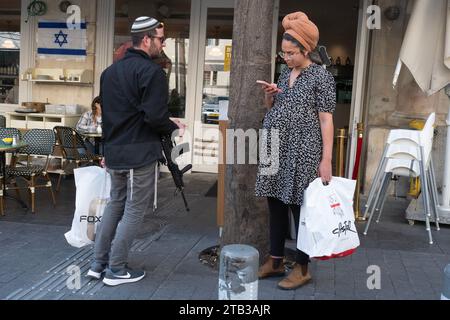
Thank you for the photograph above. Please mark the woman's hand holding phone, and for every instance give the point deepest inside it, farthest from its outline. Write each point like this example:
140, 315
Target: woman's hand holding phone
269, 88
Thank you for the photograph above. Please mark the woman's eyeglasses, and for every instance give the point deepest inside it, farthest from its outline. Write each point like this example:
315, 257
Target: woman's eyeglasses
287, 55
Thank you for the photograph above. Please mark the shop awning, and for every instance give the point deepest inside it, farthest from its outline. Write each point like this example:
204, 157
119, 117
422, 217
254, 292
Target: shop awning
9, 41
426, 46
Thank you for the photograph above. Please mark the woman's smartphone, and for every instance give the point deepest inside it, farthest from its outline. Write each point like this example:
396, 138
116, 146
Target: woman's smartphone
263, 82
268, 85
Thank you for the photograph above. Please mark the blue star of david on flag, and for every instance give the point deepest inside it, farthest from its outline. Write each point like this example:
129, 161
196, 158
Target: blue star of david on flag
58, 39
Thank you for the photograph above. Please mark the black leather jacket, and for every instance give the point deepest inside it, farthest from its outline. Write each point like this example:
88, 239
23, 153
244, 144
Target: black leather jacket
134, 95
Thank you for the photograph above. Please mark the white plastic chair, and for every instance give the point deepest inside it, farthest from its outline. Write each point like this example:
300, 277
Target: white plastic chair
407, 153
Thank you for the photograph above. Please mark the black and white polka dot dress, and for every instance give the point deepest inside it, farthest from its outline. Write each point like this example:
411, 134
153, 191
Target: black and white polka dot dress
295, 117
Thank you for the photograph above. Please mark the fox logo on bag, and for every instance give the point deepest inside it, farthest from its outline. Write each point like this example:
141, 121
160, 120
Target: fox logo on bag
96, 209
93, 189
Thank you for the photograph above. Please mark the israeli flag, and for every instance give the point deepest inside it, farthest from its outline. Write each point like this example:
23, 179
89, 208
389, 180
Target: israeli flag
55, 38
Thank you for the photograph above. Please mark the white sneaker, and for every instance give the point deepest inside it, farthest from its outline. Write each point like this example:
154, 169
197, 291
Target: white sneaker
125, 275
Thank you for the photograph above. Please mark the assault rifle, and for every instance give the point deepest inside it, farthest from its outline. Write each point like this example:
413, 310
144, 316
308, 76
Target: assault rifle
177, 174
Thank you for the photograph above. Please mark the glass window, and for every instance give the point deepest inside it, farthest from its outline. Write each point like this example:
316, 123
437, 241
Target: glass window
216, 74
176, 16
9, 52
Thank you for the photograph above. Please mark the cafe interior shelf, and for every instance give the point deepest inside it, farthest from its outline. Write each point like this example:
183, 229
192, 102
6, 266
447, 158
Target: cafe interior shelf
40, 120
55, 76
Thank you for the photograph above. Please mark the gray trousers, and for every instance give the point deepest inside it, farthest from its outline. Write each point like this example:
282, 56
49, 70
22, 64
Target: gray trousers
131, 197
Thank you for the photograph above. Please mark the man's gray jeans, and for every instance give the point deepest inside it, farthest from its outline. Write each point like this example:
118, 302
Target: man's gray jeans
131, 197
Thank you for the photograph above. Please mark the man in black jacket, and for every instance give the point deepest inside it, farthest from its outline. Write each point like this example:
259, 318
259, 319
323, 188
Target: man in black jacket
134, 93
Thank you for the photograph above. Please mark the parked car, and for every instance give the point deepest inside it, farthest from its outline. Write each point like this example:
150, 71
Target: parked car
210, 108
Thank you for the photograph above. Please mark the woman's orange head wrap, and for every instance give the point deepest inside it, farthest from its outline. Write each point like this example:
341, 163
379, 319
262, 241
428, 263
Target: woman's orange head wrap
299, 26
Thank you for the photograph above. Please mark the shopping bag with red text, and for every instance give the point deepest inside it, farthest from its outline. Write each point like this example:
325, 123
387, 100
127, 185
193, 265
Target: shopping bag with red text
327, 221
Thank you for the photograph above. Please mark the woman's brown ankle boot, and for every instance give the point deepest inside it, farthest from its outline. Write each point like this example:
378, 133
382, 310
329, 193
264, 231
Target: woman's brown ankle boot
297, 278
271, 268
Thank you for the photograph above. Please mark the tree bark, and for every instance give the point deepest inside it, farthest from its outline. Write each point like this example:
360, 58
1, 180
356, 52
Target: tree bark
246, 216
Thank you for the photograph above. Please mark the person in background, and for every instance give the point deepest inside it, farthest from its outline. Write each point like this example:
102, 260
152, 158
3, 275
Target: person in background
91, 120
175, 104
122, 50
300, 109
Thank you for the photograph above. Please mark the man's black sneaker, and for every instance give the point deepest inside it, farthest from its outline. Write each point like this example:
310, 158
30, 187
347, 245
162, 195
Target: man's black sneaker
96, 270
126, 275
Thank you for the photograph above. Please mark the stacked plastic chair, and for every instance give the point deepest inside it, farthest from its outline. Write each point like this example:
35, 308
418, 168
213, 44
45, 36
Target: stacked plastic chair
408, 154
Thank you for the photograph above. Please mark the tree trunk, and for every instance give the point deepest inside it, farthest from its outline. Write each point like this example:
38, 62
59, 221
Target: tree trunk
246, 216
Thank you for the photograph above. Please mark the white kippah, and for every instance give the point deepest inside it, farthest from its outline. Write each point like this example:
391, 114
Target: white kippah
142, 24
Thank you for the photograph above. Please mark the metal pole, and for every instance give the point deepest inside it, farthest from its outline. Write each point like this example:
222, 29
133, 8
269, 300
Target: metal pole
357, 209
341, 136
446, 182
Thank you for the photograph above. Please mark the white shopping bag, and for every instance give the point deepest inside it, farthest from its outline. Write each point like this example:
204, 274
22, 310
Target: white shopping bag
327, 222
93, 187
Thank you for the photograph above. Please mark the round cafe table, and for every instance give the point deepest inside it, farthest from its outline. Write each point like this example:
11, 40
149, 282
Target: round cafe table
97, 139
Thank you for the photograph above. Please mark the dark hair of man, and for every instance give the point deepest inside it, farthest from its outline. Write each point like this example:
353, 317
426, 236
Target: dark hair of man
137, 38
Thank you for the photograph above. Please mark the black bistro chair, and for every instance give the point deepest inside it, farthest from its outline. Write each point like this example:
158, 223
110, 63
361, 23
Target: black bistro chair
73, 149
40, 144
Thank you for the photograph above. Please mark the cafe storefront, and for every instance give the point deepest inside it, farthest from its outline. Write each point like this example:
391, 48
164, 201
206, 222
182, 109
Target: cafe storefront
197, 58
201, 31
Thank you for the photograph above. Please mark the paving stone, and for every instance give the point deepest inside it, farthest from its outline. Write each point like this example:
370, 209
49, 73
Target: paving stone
203, 293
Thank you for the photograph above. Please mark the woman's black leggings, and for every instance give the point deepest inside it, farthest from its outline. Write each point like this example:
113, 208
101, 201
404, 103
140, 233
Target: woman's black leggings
279, 225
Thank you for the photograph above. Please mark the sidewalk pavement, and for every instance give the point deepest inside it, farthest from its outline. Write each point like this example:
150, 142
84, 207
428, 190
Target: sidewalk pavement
35, 256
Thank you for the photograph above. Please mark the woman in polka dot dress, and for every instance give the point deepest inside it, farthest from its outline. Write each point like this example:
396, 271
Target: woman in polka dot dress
300, 111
